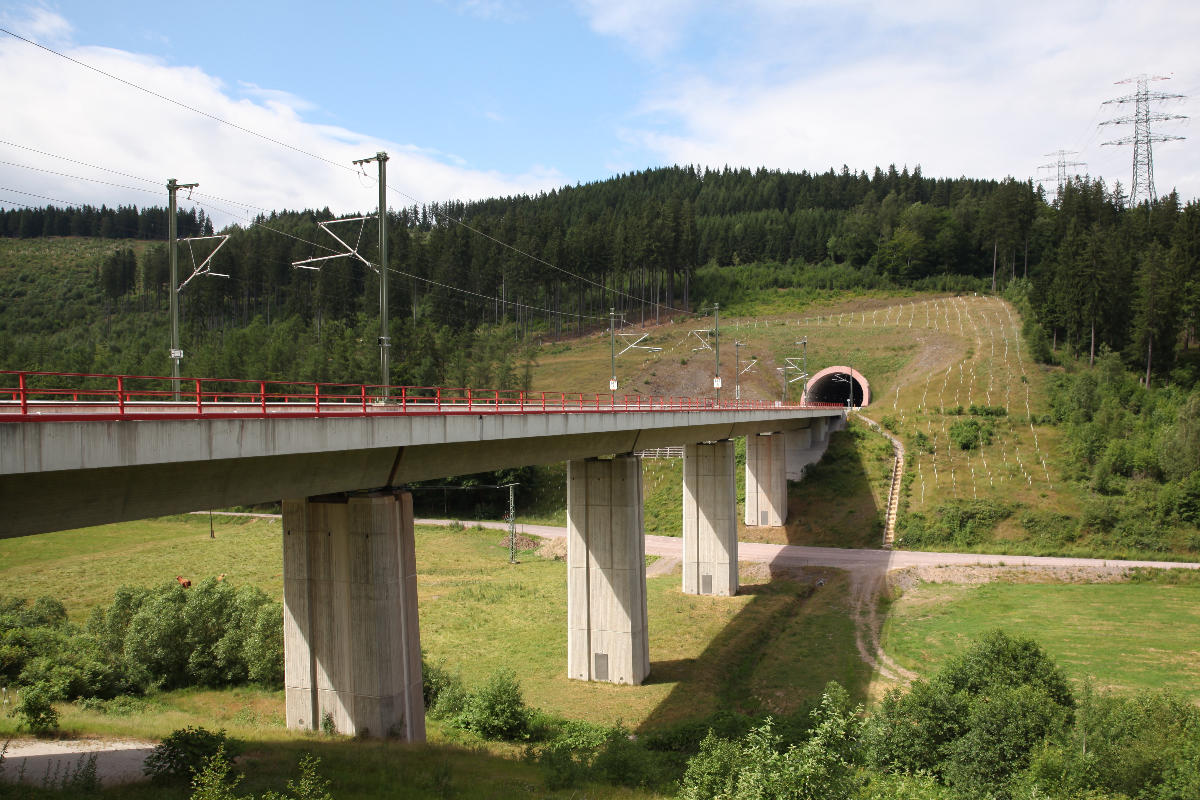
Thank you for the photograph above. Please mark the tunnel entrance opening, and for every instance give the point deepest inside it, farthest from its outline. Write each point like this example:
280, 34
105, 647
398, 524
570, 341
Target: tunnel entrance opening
841, 385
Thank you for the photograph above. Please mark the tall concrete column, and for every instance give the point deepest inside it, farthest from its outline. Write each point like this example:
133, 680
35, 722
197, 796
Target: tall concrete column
798, 443
766, 480
607, 636
352, 649
710, 548
820, 430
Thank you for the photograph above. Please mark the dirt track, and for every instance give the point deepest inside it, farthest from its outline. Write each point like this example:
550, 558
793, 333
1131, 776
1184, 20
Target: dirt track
789, 555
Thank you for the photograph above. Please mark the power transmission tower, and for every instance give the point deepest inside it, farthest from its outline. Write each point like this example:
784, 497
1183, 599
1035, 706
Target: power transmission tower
1142, 183
1060, 165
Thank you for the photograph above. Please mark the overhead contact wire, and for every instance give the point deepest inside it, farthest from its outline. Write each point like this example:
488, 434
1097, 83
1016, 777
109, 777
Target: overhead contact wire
293, 148
173, 101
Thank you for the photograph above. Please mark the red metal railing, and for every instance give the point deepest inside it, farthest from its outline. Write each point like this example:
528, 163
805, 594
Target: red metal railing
70, 396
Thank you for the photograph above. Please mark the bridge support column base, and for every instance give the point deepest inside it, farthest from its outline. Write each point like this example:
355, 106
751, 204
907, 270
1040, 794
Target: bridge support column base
607, 636
710, 547
766, 480
352, 649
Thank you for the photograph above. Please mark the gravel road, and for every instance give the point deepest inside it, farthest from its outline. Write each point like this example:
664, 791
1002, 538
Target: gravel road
790, 555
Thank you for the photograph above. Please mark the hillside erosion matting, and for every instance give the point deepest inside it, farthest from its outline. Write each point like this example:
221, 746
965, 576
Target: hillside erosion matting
929, 358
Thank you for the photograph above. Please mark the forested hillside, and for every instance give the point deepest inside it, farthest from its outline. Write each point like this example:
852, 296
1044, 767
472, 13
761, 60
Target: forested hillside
647, 243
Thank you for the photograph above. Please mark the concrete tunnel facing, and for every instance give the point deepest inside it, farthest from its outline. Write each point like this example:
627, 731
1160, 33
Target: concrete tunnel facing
837, 385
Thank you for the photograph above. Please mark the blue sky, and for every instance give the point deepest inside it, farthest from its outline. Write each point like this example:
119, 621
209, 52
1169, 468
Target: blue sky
492, 87
475, 98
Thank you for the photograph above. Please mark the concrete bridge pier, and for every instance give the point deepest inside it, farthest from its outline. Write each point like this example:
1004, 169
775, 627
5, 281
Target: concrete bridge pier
352, 649
710, 547
798, 443
766, 479
607, 635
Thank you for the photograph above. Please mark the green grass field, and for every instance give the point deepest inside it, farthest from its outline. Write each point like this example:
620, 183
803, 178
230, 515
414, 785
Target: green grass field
1123, 636
478, 613
769, 650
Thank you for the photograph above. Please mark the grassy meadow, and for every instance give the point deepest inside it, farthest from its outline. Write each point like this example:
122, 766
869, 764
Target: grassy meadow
770, 650
1120, 636
478, 614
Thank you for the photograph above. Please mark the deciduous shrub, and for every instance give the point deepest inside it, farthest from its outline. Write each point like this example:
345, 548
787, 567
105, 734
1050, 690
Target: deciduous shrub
959, 523
987, 411
1146, 745
978, 721
214, 780
562, 766
436, 679
622, 761
1049, 528
970, 433
36, 711
758, 766
496, 710
182, 753
920, 442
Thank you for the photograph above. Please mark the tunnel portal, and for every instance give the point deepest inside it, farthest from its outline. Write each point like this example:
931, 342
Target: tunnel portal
837, 385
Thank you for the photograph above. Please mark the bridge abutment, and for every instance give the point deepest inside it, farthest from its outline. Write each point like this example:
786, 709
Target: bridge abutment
607, 635
352, 647
710, 547
766, 480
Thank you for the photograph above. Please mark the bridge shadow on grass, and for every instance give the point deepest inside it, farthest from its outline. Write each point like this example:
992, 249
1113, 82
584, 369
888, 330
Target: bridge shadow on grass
773, 657
835, 504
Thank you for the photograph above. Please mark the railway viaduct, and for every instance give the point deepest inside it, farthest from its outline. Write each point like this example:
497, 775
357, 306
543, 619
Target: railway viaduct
128, 448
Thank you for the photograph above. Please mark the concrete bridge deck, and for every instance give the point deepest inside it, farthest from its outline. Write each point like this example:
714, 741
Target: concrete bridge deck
78, 450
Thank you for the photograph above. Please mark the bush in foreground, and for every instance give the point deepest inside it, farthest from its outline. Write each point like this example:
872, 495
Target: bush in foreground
497, 710
183, 753
758, 766
214, 780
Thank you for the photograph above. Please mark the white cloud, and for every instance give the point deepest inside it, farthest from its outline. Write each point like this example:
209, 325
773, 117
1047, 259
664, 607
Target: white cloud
652, 27
960, 88
59, 107
37, 23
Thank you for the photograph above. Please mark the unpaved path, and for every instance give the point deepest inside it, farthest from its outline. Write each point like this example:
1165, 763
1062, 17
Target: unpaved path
792, 555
